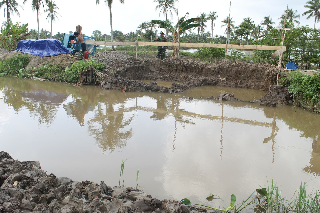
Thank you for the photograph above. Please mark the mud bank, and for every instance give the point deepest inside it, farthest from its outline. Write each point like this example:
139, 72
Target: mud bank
25, 187
127, 74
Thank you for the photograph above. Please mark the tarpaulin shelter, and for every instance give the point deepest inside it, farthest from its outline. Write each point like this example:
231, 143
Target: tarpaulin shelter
42, 47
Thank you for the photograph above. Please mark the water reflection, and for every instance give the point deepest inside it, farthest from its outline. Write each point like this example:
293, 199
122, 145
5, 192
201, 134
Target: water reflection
186, 145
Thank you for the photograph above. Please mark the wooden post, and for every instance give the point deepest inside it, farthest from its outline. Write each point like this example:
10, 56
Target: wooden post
136, 49
282, 42
105, 41
228, 32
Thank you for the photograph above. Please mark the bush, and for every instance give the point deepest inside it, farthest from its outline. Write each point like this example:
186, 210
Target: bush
207, 53
49, 72
305, 89
14, 66
72, 73
11, 34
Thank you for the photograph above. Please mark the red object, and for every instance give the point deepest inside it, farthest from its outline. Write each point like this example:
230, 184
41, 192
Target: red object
86, 55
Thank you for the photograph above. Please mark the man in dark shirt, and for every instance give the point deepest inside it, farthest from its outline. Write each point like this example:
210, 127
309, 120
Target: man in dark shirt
161, 49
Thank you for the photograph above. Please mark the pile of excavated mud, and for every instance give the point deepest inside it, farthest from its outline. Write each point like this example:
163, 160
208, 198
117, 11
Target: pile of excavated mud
25, 187
127, 74
62, 60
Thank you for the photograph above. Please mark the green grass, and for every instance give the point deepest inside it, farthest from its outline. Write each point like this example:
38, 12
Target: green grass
270, 200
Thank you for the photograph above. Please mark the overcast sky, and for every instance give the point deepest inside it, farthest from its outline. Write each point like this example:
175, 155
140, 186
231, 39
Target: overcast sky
128, 16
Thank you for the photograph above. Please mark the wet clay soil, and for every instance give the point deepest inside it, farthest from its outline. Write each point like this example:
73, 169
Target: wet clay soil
127, 74
25, 187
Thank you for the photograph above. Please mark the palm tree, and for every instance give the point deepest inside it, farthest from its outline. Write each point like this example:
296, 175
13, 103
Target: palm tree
180, 28
256, 32
267, 21
52, 13
202, 22
225, 24
143, 26
166, 6
11, 6
313, 10
212, 17
36, 4
292, 18
109, 2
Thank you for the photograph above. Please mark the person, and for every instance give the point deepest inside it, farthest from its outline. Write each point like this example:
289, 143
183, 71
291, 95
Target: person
81, 40
161, 49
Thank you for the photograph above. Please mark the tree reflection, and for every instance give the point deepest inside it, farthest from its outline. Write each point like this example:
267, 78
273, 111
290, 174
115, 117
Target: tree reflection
39, 103
109, 127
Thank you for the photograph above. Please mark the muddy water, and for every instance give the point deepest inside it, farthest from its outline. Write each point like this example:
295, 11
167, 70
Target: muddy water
182, 147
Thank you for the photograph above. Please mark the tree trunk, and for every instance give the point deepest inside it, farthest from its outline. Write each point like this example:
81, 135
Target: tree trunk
212, 29
51, 26
38, 23
111, 26
166, 28
8, 12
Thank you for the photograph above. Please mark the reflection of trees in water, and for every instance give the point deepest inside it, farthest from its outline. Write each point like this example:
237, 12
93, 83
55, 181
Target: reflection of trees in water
44, 112
78, 109
108, 127
314, 166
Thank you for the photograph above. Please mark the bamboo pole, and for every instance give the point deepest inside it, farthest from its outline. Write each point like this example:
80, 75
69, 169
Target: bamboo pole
282, 42
228, 33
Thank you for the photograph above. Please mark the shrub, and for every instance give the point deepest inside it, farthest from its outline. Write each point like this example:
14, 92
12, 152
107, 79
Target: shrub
72, 73
14, 66
305, 89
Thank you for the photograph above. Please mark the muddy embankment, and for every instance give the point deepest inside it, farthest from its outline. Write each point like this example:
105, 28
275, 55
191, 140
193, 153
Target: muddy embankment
126, 73
25, 187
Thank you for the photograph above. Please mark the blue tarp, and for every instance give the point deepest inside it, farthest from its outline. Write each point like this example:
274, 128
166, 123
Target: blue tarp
42, 47
291, 66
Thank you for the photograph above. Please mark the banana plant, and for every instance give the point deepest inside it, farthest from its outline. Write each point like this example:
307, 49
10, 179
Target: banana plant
178, 29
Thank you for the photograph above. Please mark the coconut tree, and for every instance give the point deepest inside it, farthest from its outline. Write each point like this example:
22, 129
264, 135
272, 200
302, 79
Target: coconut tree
109, 2
11, 5
292, 18
202, 19
267, 21
36, 4
180, 28
166, 6
143, 26
313, 10
52, 13
212, 17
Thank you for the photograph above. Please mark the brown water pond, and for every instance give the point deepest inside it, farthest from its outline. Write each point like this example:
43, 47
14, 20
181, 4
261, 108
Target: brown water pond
182, 147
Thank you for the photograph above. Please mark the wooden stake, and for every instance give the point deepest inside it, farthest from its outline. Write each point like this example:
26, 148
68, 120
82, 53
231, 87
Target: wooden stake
228, 32
282, 42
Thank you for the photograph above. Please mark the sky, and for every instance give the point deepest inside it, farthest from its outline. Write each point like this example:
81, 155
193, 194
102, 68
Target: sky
128, 16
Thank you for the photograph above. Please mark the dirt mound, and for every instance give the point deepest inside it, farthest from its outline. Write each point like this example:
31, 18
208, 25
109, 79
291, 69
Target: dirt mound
24, 186
62, 60
125, 72
3, 52
276, 95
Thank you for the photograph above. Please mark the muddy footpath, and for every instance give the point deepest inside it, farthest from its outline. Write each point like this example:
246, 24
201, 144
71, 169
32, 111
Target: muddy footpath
25, 187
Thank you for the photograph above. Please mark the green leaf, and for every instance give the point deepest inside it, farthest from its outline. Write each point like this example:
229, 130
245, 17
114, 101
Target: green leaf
233, 200
186, 201
262, 191
211, 197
